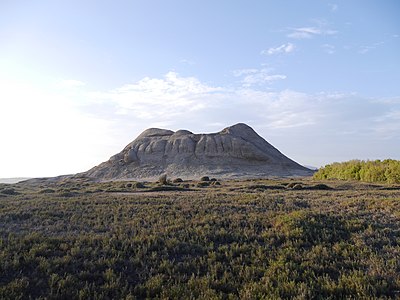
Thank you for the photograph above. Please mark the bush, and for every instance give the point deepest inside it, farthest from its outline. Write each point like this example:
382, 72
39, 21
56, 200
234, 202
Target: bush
163, 179
47, 191
205, 178
68, 194
293, 184
261, 187
320, 186
297, 187
166, 188
9, 191
138, 185
177, 180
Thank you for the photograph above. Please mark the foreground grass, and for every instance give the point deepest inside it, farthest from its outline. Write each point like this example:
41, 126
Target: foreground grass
252, 239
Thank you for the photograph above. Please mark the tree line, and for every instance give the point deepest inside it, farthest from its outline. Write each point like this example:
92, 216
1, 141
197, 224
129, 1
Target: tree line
384, 171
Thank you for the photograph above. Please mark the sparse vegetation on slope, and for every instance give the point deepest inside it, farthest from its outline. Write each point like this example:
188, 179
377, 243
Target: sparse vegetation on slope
239, 240
386, 171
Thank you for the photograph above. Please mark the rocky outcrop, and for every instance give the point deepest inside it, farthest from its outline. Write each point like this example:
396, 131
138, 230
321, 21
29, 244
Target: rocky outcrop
236, 151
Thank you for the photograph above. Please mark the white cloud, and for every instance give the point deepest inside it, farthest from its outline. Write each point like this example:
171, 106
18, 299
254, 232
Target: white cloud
285, 48
256, 77
238, 73
187, 61
333, 7
387, 125
260, 78
389, 101
174, 100
168, 96
330, 49
177, 100
366, 49
309, 32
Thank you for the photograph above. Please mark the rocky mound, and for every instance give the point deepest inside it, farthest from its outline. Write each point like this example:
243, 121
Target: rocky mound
236, 151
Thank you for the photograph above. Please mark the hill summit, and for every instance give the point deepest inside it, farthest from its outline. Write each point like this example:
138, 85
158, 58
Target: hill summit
236, 151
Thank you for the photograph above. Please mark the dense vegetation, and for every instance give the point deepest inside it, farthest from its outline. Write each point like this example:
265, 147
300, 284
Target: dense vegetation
252, 239
386, 171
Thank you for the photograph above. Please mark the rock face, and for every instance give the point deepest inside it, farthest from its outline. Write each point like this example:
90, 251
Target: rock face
236, 151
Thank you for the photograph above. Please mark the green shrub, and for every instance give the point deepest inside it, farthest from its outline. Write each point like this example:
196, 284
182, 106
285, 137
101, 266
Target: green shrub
320, 186
9, 191
138, 185
166, 188
47, 191
292, 184
386, 171
203, 184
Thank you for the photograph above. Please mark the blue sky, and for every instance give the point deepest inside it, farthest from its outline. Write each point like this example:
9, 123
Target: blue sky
81, 79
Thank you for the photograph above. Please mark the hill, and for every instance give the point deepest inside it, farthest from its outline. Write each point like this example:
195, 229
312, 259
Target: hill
236, 151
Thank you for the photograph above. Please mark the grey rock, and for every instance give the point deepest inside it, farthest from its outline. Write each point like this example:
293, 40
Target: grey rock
130, 156
236, 151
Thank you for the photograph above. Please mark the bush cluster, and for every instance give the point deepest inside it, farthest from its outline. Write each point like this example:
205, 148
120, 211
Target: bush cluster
385, 171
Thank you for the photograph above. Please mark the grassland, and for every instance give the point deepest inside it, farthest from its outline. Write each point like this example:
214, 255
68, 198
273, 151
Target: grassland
249, 239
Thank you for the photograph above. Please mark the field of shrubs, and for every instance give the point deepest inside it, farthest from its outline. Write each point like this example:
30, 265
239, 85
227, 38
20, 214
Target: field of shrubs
208, 239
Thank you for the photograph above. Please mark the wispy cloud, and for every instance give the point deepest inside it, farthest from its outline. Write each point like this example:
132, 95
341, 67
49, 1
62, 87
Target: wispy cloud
187, 100
285, 48
187, 61
173, 100
388, 125
368, 48
241, 72
333, 7
330, 49
256, 77
151, 98
309, 32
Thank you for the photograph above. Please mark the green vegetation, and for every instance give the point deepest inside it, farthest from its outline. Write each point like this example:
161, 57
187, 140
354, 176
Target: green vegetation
243, 239
386, 171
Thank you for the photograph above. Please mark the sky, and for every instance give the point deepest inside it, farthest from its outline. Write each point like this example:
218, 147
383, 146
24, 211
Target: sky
79, 80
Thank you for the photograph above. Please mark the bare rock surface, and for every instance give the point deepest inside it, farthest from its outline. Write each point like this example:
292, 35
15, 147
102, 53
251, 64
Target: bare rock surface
236, 151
